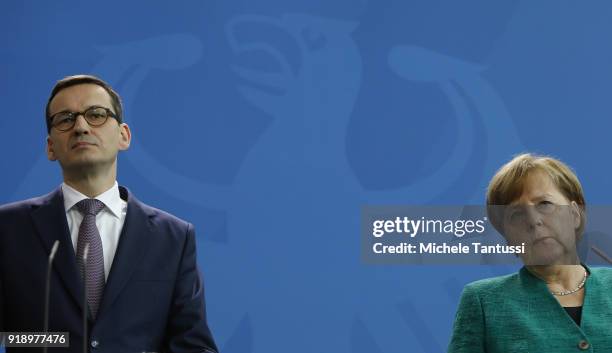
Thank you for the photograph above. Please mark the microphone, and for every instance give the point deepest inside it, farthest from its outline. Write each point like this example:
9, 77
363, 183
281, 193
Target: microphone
601, 254
85, 336
48, 289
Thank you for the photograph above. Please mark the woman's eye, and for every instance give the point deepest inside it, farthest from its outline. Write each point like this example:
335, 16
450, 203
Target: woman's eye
546, 206
516, 215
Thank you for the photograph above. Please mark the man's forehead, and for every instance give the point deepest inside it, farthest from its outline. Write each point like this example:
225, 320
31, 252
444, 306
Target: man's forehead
80, 96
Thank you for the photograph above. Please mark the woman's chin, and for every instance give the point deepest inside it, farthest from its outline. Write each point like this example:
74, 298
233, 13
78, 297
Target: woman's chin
547, 257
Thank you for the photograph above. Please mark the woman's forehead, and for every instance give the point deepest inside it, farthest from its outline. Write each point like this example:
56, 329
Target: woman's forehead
535, 185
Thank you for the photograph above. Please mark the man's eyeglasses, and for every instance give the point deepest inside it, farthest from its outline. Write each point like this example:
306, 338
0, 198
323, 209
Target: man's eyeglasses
95, 116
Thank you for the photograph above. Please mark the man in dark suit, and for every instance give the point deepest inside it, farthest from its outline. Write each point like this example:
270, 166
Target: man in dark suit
143, 290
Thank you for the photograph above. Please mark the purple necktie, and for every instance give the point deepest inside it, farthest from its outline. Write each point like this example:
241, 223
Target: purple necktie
88, 233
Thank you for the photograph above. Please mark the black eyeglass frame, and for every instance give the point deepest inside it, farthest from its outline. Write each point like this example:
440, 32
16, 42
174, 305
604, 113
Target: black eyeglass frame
74, 115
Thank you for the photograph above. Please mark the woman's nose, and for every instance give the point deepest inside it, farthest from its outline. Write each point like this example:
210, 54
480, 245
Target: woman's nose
532, 216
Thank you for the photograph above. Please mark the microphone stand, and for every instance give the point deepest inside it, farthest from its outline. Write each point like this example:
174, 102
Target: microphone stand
48, 289
85, 336
601, 254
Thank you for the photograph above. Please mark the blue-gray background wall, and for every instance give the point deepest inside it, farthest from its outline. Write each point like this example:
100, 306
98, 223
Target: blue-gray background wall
269, 123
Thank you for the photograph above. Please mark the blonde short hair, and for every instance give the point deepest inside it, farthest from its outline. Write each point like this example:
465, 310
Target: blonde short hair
507, 185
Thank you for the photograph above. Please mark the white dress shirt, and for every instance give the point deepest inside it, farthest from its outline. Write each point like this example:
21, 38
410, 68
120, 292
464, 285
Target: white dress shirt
109, 221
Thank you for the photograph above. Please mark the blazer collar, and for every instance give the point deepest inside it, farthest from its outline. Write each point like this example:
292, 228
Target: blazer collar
539, 293
540, 296
49, 218
131, 249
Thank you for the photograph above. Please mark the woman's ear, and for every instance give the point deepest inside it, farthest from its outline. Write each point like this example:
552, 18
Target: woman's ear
576, 215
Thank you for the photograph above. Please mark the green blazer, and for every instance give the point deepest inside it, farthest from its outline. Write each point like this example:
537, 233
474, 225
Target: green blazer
517, 313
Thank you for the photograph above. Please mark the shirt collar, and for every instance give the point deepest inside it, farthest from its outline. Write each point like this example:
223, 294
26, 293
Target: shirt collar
110, 198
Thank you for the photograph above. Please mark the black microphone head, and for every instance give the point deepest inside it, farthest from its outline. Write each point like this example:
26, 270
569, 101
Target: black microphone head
602, 254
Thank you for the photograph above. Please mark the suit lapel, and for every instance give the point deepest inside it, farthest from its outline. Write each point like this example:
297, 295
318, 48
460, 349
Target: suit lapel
130, 250
50, 221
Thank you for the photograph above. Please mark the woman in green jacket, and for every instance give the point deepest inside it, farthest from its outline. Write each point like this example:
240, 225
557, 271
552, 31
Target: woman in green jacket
554, 303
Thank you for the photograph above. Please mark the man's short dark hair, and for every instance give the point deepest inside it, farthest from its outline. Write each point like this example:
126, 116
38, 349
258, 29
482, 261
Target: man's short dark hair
79, 80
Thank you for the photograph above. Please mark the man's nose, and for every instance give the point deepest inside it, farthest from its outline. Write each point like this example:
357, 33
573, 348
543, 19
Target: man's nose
80, 125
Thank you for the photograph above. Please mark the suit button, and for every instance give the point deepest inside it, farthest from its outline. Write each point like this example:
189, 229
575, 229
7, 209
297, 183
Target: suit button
94, 344
584, 345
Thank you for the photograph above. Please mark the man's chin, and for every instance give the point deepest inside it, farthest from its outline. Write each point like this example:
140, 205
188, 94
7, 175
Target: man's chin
82, 164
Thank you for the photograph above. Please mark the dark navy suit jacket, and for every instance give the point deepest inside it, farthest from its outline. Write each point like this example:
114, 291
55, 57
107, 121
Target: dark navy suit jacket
154, 297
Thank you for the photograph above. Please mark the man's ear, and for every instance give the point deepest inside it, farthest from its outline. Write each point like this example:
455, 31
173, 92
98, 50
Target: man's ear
50, 151
126, 137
